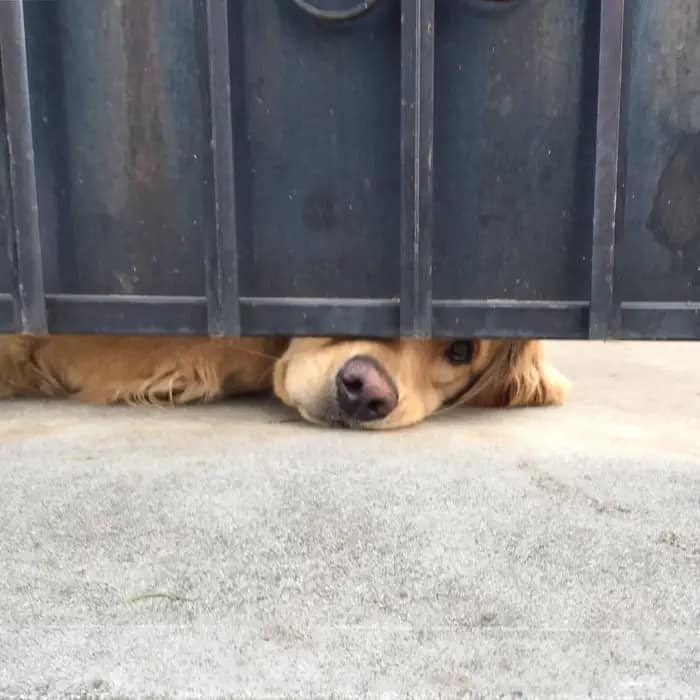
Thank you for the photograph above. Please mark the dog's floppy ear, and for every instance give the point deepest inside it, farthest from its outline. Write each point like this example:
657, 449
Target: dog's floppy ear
518, 375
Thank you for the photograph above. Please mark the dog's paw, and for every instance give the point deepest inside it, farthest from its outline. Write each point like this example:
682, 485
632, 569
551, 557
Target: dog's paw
167, 386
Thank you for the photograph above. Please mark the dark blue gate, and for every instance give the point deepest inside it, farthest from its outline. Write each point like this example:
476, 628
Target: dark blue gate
415, 167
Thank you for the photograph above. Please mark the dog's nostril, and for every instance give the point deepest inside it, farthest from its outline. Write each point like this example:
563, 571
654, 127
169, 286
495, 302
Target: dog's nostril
364, 390
377, 407
353, 385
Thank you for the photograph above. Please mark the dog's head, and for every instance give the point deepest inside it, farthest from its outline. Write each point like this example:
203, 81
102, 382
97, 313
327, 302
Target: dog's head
392, 384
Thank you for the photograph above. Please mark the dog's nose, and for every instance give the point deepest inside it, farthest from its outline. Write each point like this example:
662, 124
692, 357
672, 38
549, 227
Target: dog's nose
365, 391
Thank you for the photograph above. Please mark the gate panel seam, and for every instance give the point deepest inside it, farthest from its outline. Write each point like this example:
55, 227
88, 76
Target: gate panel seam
604, 313
223, 303
29, 304
417, 195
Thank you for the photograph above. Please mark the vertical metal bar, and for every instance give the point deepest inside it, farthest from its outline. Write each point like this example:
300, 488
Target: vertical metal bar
603, 314
417, 107
25, 247
223, 304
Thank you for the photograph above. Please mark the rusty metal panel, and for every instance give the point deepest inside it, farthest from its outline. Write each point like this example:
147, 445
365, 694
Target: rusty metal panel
514, 151
317, 107
659, 243
123, 157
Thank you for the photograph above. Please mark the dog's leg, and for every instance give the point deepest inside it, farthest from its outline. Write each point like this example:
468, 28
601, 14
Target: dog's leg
20, 372
137, 369
169, 383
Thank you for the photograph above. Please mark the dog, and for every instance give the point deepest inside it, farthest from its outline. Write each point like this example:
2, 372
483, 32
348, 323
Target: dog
349, 383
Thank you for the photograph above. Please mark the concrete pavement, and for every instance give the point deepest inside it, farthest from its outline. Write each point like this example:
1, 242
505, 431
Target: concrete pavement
234, 551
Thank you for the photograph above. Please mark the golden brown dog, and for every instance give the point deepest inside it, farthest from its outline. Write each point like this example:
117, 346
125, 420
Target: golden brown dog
350, 383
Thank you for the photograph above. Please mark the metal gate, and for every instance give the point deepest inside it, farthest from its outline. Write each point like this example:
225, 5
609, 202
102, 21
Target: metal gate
385, 167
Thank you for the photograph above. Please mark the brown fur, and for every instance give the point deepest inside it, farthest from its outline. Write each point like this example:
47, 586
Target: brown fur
180, 370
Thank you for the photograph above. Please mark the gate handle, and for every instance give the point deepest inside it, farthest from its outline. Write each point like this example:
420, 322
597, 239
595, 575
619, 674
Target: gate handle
362, 8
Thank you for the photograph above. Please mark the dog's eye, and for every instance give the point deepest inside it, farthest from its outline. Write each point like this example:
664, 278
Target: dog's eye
460, 352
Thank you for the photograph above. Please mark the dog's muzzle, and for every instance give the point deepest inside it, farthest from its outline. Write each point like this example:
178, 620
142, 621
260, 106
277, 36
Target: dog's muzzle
364, 391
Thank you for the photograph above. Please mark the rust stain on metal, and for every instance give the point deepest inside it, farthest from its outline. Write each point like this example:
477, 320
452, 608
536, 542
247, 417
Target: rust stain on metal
140, 22
675, 215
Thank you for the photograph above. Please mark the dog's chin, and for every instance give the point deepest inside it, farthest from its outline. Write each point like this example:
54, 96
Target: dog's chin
328, 415
329, 418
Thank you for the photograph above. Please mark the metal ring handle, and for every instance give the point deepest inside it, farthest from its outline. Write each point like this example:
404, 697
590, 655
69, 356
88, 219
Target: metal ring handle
362, 8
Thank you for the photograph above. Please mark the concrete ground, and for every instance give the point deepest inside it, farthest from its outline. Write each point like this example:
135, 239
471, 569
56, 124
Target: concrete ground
233, 551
